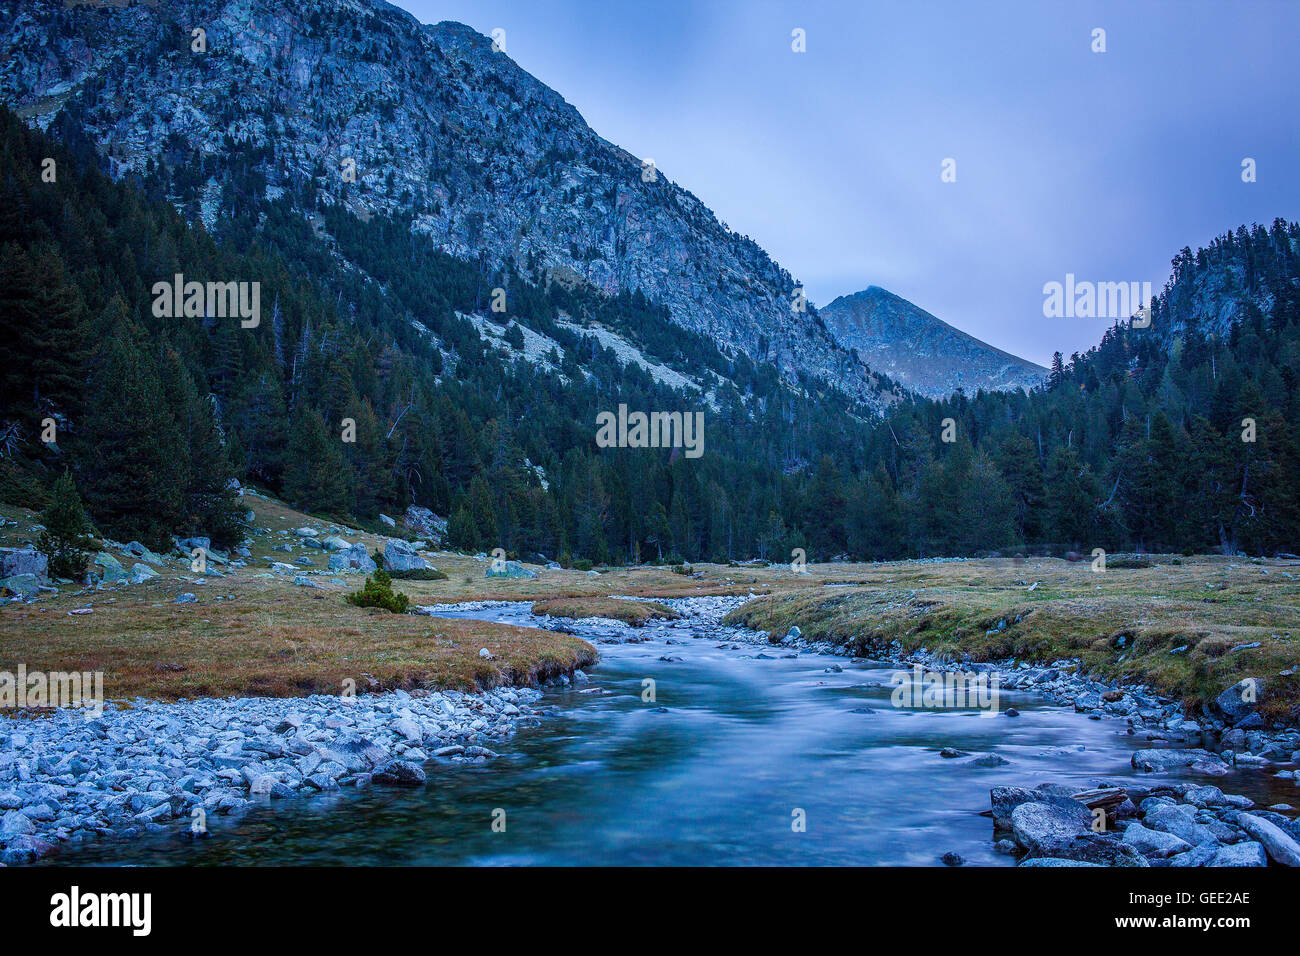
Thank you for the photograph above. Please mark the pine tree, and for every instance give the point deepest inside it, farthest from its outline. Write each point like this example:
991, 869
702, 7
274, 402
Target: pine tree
66, 539
130, 450
316, 475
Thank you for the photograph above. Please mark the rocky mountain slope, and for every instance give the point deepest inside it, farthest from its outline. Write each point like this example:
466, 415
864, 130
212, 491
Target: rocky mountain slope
921, 352
356, 103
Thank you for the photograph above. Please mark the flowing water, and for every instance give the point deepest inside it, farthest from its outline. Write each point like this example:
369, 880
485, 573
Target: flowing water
721, 768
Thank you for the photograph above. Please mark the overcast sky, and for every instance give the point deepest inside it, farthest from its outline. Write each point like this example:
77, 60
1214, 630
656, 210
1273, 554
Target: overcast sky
1103, 165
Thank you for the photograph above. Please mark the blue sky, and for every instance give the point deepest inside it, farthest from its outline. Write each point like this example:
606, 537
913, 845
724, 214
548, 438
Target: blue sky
1103, 165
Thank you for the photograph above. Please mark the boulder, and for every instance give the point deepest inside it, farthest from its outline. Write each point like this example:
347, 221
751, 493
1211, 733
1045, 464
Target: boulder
335, 543
401, 556
1156, 843
1249, 853
1006, 799
400, 773
22, 585
111, 568
1045, 830
509, 569
425, 523
141, 573
1239, 701
18, 561
1159, 761
1280, 845
355, 558
1180, 820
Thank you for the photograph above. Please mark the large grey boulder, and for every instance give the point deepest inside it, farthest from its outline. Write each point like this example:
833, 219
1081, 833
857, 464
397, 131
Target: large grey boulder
335, 543
1279, 844
1239, 701
1155, 843
1006, 799
1045, 830
1180, 820
16, 561
111, 570
509, 569
400, 556
23, 585
355, 558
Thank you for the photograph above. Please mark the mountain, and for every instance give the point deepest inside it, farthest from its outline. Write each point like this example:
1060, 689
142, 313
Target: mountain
355, 104
921, 352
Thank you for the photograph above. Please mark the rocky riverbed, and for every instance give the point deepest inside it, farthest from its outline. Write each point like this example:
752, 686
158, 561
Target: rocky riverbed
65, 778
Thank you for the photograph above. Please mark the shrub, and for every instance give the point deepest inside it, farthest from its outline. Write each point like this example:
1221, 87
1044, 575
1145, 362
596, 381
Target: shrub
582, 564
418, 574
379, 592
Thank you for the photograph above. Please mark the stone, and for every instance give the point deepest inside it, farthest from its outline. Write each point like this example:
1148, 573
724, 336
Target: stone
1005, 799
111, 570
1044, 830
1239, 701
1248, 853
1156, 843
1180, 821
1055, 861
23, 585
986, 760
509, 569
185, 598
16, 561
1281, 846
335, 543
355, 558
401, 556
400, 773
16, 823
1159, 761
141, 573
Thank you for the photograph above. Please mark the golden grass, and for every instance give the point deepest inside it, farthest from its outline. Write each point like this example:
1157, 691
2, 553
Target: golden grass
635, 613
269, 639
1123, 623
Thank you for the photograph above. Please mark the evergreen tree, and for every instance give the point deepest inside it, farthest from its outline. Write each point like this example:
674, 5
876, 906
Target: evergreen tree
66, 539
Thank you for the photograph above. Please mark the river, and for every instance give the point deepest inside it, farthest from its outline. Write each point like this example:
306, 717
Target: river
722, 767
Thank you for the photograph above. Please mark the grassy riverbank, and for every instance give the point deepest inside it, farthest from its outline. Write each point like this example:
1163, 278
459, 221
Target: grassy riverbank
635, 613
1187, 627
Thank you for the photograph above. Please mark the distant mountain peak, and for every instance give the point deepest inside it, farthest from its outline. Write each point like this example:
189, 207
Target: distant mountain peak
919, 350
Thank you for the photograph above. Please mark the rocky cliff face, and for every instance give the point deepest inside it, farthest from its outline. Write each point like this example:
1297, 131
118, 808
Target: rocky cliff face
923, 353
355, 102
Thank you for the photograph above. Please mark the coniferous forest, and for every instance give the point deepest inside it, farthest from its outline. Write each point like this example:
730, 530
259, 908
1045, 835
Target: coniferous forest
1176, 437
